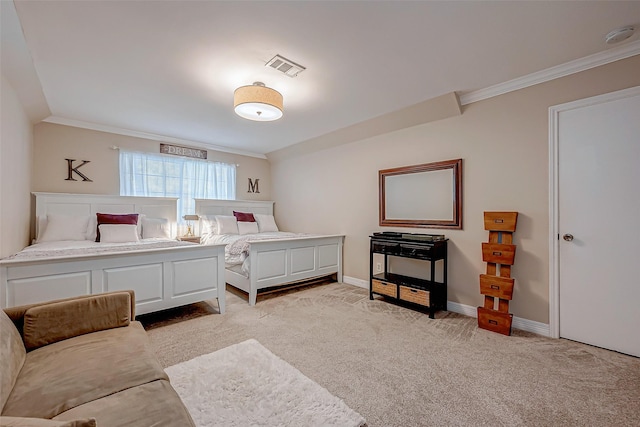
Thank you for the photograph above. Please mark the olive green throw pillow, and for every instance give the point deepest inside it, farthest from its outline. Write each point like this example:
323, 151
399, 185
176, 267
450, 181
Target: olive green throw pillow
49, 323
42, 422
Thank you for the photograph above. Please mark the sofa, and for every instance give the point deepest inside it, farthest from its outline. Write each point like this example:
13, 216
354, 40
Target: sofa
83, 361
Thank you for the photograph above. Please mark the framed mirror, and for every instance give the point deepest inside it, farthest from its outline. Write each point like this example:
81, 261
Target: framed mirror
427, 195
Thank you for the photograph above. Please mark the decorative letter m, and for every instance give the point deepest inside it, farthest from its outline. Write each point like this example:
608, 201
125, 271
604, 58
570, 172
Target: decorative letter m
253, 186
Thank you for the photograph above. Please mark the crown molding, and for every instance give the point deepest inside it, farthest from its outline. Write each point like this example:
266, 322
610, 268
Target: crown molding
572, 67
136, 134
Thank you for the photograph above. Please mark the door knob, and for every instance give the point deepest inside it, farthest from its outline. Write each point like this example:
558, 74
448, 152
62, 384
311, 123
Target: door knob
568, 237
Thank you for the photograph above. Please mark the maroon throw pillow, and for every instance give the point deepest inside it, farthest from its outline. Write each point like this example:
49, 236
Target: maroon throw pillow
244, 216
129, 219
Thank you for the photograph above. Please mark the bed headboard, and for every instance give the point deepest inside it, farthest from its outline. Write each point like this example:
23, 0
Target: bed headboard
226, 207
90, 204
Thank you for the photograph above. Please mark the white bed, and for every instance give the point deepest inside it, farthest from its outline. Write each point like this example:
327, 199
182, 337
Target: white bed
273, 263
163, 273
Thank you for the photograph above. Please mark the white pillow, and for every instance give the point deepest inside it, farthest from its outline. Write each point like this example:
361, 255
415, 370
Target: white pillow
92, 228
139, 224
155, 227
208, 225
41, 226
227, 224
118, 233
266, 223
245, 227
64, 227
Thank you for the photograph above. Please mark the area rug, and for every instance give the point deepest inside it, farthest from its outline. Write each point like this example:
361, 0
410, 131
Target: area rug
247, 385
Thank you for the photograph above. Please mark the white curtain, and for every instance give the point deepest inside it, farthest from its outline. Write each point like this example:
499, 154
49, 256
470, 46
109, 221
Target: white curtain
157, 175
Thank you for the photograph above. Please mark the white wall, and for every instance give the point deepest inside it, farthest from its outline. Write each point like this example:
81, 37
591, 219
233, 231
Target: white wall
503, 142
16, 148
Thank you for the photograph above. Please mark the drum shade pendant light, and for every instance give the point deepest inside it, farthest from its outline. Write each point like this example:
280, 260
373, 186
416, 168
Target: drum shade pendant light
257, 102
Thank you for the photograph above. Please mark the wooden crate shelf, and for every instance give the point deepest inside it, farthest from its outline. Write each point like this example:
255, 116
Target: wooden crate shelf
496, 287
497, 284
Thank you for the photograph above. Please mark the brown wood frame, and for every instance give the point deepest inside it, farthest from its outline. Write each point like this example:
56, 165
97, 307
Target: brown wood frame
455, 223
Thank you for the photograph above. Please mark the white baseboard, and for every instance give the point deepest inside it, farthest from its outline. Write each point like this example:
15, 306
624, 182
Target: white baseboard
531, 326
467, 310
355, 282
518, 322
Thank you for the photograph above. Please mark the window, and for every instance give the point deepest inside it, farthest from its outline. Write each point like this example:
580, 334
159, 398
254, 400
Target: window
157, 175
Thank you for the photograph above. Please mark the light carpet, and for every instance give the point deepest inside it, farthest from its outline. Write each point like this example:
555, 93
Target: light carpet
399, 368
247, 385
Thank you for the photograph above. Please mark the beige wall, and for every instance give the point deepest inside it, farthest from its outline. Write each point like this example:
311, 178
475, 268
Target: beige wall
503, 142
16, 146
54, 143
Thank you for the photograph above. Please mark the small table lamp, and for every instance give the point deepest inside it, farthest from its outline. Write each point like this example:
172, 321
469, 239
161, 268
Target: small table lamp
190, 218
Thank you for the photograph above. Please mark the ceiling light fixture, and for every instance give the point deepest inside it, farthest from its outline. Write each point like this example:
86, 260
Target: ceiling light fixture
257, 102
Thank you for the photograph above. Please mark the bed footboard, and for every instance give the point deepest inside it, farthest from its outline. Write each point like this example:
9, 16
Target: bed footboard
161, 278
279, 262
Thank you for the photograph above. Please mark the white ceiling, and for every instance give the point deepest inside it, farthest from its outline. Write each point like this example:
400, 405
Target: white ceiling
170, 67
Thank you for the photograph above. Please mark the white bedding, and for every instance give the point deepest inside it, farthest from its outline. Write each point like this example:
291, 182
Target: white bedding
68, 248
236, 251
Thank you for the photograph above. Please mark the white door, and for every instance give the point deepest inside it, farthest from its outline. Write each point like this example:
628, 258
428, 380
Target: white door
598, 224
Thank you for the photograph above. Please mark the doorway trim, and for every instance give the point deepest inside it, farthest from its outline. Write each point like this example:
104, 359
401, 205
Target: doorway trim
554, 232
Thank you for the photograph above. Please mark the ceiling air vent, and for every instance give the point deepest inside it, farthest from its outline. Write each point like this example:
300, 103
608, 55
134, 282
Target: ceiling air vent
285, 66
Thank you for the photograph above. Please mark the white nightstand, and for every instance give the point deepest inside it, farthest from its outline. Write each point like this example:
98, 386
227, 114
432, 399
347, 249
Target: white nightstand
192, 239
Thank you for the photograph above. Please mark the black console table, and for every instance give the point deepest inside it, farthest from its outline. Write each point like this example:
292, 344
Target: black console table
418, 293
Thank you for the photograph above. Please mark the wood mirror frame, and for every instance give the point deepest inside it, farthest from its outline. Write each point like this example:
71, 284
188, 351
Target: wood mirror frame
453, 192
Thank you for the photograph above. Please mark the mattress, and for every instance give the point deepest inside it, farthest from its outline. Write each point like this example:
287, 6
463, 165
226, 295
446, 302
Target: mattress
70, 248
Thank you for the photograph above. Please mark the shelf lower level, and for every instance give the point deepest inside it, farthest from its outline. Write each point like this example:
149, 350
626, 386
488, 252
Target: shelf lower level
412, 282
417, 293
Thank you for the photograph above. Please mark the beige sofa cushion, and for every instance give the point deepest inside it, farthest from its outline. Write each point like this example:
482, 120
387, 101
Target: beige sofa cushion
154, 404
49, 323
69, 373
41, 422
12, 356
